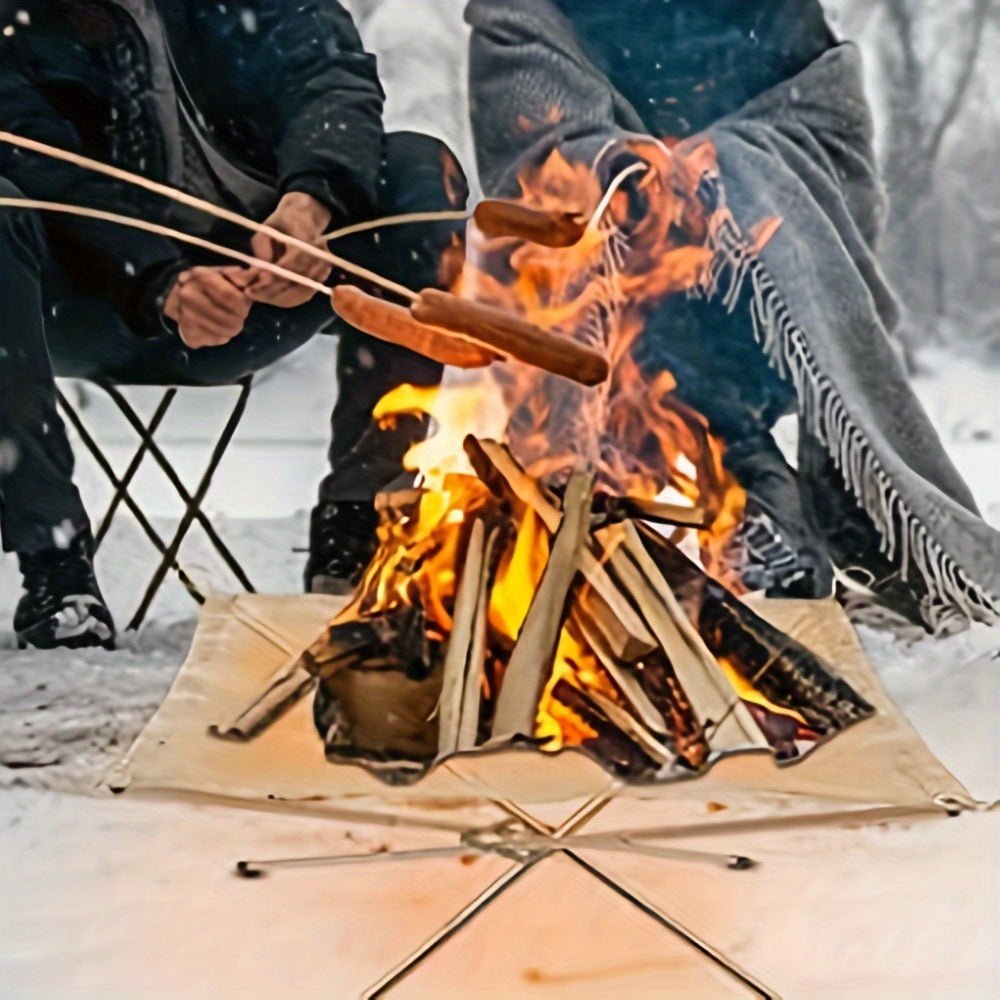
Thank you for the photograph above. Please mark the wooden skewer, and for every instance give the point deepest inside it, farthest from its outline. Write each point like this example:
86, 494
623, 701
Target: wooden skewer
513, 336
409, 219
181, 197
152, 227
394, 324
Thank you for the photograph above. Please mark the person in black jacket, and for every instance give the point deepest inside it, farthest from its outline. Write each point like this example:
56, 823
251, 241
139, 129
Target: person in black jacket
272, 109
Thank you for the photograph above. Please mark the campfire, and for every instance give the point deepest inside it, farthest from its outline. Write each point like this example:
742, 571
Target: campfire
534, 589
563, 575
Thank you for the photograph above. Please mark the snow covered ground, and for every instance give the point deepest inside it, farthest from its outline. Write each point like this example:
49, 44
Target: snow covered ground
64, 717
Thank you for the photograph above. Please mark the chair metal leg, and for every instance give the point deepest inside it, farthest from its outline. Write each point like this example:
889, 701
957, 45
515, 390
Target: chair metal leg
121, 488
194, 502
193, 507
133, 467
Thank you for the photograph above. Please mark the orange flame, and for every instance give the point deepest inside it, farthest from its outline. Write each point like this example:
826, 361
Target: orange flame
633, 431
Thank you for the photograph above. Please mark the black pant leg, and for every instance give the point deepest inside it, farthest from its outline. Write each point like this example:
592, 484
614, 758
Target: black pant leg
39, 505
418, 176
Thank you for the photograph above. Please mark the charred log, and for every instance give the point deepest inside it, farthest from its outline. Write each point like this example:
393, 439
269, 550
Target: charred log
616, 751
686, 732
783, 670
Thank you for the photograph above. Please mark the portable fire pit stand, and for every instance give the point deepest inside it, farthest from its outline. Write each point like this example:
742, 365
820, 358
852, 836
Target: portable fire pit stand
528, 841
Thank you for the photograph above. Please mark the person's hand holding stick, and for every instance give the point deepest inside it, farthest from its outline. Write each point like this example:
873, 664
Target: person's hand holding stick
301, 216
209, 305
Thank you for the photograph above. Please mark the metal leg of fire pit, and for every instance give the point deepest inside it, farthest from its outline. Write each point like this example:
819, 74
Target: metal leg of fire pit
510, 839
256, 869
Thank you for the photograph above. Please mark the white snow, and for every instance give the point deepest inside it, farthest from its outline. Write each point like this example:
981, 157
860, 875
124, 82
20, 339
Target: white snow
65, 716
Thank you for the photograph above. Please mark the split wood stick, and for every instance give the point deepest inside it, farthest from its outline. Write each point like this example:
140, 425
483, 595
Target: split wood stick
531, 662
288, 685
781, 669
512, 336
152, 227
697, 672
615, 748
388, 221
631, 727
626, 633
394, 324
468, 730
623, 677
614, 509
497, 217
199, 204
456, 659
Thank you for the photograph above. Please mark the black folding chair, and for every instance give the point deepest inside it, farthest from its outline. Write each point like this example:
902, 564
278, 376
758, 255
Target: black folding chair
192, 500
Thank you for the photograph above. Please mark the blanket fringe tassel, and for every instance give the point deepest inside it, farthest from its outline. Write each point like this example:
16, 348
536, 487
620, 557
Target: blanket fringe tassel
952, 596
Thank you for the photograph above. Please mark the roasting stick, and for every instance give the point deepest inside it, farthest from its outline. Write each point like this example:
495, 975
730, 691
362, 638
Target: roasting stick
174, 234
181, 197
386, 221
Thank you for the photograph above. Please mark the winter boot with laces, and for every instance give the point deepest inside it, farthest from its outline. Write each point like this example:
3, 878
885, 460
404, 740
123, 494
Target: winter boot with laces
62, 606
342, 541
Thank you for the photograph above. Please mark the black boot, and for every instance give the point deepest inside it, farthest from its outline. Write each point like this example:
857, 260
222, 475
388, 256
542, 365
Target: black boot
342, 541
62, 606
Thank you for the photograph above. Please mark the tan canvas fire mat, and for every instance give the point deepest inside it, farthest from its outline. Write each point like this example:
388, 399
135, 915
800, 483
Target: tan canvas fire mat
616, 890
241, 641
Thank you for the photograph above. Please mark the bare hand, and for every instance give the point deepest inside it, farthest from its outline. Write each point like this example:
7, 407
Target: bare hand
302, 216
209, 305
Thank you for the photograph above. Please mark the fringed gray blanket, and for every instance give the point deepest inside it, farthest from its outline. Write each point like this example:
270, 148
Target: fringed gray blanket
818, 307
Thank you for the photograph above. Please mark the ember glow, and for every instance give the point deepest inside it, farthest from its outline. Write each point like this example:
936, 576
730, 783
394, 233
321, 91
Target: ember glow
647, 237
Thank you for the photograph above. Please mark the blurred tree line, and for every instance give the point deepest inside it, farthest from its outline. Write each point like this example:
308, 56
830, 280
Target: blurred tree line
934, 79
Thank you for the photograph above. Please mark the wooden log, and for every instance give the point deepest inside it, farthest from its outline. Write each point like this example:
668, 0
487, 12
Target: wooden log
623, 675
611, 509
626, 634
697, 672
512, 336
531, 662
288, 685
456, 661
468, 730
612, 747
658, 680
496, 217
395, 639
631, 727
780, 668
394, 324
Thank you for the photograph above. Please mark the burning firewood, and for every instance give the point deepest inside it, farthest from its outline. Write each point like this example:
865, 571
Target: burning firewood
394, 324
687, 734
697, 672
623, 675
512, 336
462, 646
622, 646
782, 670
497, 218
528, 669
625, 632
620, 752
468, 729
611, 509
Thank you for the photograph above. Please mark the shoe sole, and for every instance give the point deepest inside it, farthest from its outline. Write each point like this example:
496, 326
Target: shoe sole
41, 637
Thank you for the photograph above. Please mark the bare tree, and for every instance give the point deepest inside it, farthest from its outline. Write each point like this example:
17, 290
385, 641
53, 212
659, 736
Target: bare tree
922, 57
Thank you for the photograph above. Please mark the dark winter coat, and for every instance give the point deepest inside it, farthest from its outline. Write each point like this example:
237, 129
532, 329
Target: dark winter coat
268, 96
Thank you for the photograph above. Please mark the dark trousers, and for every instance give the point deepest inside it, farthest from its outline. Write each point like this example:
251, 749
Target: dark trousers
48, 331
